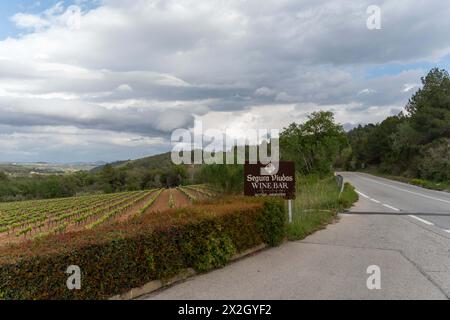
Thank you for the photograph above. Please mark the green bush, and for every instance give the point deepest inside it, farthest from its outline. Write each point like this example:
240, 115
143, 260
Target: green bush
273, 222
348, 197
419, 182
118, 257
442, 186
227, 178
211, 252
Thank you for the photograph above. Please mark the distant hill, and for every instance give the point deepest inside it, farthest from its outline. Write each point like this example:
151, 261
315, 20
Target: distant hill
160, 161
44, 168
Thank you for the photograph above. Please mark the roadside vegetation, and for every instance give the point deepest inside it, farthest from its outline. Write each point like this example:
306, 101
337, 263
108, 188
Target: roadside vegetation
427, 184
313, 146
317, 205
414, 144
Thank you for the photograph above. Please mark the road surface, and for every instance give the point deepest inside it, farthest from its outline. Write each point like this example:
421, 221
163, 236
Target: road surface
399, 228
380, 195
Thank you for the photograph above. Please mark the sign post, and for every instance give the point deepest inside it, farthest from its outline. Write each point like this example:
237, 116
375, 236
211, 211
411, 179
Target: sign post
290, 211
261, 181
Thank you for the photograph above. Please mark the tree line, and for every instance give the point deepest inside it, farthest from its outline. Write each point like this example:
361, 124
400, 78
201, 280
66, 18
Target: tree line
415, 143
106, 179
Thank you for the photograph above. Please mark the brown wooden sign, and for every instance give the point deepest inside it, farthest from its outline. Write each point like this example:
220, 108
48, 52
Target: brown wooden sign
260, 182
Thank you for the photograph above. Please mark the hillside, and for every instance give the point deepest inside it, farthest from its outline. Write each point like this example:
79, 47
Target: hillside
160, 161
28, 169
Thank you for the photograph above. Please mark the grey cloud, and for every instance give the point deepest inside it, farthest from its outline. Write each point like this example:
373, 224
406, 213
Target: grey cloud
149, 66
144, 120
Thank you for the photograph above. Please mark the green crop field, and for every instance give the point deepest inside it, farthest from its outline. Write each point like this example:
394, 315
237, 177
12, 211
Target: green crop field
36, 219
28, 220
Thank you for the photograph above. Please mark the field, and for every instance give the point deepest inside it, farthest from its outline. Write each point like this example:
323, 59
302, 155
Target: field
28, 220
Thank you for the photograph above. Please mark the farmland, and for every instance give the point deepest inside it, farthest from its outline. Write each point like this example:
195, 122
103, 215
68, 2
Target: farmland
29, 220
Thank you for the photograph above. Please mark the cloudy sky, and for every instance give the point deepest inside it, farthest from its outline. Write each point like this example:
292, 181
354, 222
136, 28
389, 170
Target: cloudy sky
111, 79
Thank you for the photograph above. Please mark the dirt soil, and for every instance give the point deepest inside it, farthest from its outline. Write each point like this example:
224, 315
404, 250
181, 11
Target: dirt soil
180, 199
132, 211
161, 204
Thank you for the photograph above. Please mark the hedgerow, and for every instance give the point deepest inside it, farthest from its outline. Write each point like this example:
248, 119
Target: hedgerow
118, 257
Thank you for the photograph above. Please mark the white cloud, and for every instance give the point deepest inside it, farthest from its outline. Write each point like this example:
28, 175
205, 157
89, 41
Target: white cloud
411, 86
265, 92
125, 88
285, 97
148, 66
366, 91
29, 21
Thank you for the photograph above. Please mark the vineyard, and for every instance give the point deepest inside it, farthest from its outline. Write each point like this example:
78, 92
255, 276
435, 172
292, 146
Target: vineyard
29, 220
198, 192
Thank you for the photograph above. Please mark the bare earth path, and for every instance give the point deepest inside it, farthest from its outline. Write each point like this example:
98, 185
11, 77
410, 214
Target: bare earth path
181, 200
162, 203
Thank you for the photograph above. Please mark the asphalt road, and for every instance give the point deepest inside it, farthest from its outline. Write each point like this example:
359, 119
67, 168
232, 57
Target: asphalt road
387, 228
379, 195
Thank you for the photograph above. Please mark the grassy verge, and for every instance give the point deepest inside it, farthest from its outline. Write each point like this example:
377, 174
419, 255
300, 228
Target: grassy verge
427, 184
317, 204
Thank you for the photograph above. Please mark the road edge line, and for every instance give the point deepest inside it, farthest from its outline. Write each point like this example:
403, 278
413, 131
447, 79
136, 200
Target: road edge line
428, 223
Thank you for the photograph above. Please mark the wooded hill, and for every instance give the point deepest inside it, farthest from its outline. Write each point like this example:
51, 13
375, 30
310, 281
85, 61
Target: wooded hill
415, 143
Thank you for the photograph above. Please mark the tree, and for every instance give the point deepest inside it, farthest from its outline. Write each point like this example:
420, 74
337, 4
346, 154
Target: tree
415, 143
112, 179
435, 161
314, 145
3, 176
228, 178
429, 108
174, 177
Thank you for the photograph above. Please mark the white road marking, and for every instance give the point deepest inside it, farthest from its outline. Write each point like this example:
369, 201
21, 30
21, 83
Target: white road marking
391, 207
404, 190
376, 201
422, 220
405, 184
362, 194
398, 210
